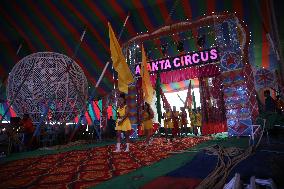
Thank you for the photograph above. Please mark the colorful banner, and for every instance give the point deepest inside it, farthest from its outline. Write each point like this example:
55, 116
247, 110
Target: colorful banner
181, 61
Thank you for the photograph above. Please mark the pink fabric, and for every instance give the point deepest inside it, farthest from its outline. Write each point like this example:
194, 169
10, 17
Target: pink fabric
188, 73
214, 120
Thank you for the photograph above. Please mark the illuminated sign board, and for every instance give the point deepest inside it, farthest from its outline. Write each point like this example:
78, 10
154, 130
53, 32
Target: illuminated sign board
182, 61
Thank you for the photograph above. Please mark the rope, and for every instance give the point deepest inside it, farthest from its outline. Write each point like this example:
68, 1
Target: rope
228, 158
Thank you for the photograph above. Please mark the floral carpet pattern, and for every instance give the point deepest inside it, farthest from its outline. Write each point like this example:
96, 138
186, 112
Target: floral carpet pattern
85, 168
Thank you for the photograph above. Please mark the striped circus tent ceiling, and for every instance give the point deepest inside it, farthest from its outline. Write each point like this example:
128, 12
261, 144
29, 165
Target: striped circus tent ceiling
50, 25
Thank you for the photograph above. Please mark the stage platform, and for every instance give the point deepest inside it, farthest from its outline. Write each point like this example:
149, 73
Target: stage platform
87, 165
146, 175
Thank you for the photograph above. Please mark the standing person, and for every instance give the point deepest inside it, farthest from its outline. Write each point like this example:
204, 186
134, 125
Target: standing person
110, 127
270, 103
123, 123
270, 111
199, 119
148, 115
168, 124
67, 132
192, 115
61, 133
279, 104
175, 120
29, 129
183, 121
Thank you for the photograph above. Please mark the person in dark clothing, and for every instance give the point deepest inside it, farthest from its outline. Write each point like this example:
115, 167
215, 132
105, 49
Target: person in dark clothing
270, 103
28, 128
269, 111
111, 128
279, 104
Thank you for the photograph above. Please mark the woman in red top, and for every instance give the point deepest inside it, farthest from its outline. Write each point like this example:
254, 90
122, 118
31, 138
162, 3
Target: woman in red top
29, 128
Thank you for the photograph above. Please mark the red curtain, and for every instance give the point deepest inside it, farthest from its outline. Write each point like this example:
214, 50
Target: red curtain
212, 105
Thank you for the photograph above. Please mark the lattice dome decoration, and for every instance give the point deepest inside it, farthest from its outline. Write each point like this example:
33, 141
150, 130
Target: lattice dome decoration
48, 84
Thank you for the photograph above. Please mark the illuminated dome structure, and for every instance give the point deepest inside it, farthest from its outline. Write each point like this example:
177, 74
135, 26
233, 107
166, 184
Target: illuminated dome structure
47, 84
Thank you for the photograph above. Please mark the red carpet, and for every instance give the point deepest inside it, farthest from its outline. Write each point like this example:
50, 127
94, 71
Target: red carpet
85, 168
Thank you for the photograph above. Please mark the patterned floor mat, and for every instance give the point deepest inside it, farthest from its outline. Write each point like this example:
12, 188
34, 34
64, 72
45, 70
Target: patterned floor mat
85, 168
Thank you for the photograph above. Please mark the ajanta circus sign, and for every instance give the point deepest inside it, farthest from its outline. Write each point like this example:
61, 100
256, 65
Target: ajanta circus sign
182, 61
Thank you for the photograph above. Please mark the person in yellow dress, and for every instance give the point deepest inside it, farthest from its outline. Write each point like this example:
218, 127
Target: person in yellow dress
168, 124
192, 116
198, 120
123, 123
148, 115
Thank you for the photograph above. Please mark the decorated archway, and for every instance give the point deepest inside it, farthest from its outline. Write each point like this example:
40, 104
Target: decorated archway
215, 50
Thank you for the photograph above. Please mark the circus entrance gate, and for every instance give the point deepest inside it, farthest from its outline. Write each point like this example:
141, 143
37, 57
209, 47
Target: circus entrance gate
206, 94
193, 76
178, 52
